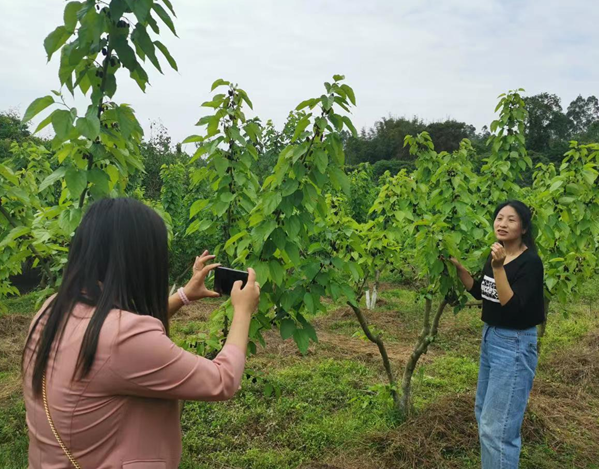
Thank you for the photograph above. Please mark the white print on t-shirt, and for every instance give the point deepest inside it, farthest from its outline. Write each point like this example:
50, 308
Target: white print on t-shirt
489, 289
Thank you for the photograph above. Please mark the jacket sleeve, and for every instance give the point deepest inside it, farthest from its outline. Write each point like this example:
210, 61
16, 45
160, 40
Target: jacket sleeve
147, 363
525, 285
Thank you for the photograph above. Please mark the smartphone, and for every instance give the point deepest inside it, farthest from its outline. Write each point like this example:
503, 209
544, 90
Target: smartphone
224, 278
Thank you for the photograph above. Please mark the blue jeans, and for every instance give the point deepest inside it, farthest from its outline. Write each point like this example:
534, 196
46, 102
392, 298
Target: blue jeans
508, 361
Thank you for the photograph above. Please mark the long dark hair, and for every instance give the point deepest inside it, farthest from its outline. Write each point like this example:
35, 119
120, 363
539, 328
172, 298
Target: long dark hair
118, 259
525, 215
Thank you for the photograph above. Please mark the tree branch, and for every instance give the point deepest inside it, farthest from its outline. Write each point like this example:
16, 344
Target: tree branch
382, 350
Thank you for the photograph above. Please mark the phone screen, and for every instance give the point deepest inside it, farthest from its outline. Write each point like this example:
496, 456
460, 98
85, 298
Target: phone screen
224, 278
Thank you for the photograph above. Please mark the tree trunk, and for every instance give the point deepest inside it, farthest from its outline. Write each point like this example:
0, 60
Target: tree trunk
426, 337
382, 350
372, 297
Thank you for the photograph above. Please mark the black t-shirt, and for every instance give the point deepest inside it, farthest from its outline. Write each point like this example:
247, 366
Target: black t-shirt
526, 308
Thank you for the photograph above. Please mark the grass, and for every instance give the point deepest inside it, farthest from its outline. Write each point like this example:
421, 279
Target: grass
24, 304
333, 413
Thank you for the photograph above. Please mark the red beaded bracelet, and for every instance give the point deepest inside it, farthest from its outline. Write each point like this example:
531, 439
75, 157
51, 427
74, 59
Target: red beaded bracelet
183, 296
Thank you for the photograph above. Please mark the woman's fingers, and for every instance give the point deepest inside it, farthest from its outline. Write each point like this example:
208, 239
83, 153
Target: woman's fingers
204, 272
251, 277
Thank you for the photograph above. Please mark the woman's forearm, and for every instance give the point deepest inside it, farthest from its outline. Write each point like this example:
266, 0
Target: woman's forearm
465, 277
174, 304
240, 328
504, 290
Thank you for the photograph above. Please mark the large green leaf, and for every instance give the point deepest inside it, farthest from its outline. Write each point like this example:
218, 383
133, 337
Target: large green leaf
125, 52
55, 40
140, 8
70, 15
37, 106
76, 181
141, 38
169, 5
69, 219
8, 174
287, 328
164, 16
166, 54
100, 182
127, 121
302, 339
52, 178
14, 234
117, 8
88, 126
62, 122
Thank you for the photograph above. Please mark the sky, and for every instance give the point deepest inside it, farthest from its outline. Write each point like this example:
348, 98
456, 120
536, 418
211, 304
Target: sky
436, 59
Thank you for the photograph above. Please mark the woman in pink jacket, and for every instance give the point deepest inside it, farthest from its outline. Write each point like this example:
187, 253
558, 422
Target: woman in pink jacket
101, 350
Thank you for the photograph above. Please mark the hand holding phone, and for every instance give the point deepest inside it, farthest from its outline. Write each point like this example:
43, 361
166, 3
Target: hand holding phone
245, 300
224, 278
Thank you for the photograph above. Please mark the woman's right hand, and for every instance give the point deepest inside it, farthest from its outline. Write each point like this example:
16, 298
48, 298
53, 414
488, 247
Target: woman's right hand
246, 300
453, 260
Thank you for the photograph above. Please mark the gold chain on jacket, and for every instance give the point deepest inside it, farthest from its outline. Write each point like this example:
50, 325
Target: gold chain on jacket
53, 428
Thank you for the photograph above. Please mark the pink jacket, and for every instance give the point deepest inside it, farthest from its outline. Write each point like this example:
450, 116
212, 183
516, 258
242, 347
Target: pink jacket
124, 414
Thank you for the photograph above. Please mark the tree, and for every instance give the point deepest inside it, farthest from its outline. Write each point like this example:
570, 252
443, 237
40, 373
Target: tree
583, 113
98, 150
547, 127
12, 129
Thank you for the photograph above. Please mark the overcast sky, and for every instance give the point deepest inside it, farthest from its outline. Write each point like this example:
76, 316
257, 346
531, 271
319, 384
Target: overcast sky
431, 58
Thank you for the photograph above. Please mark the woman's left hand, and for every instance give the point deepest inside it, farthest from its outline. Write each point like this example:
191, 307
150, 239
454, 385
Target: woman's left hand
196, 288
497, 255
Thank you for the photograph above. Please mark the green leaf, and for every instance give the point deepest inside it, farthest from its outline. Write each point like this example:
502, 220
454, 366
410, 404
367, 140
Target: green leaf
350, 93
8, 174
70, 15
14, 234
350, 126
69, 219
166, 54
271, 202
218, 83
302, 339
321, 160
164, 16
169, 5
277, 273
287, 328
62, 122
301, 126
309, 302
37, 106
55, 40
52, 178
117, 8
140, 8
43, 124
142, 39
339, 179
293, 252
235, 237
127, 121
125, 52
88, 127
76, 181
308, 102
100, 181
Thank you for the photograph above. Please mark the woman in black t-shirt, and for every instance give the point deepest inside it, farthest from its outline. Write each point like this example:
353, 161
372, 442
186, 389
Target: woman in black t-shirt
511, 288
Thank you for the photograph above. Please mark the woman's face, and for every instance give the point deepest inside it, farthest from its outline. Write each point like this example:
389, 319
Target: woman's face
508, 226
